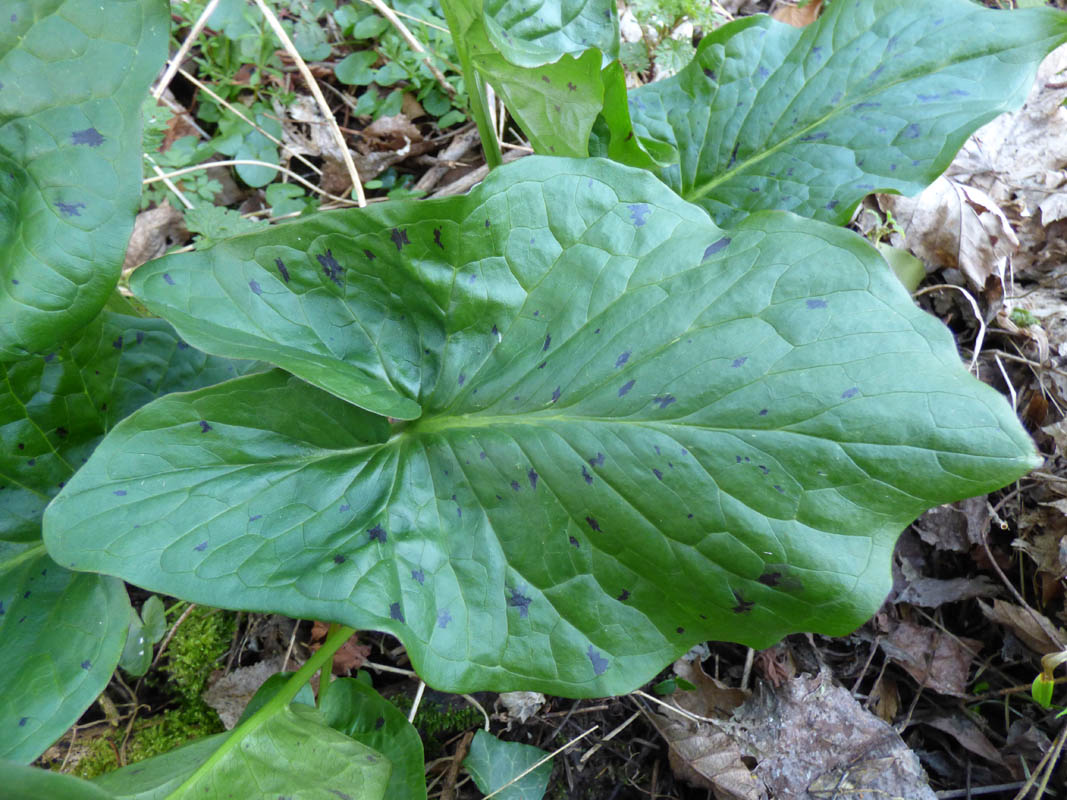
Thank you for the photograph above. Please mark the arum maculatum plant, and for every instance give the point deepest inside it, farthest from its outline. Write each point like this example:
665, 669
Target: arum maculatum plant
632, 393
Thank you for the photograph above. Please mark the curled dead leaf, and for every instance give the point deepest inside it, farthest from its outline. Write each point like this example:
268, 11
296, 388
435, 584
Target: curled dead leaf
936, 660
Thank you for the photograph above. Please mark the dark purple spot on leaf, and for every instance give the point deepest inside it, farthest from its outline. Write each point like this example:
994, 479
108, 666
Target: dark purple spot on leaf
593, 524
395, 612
548, 341
437, 238
679, 630
495, 331
70, 209
204, 426
521, 602
597, 461
710, 74
377, 533
339, 559
815, 303
546, 79
912, 131
571, 87
960, 93
62, 432
443, 618
22, 720
86, 664
140, 337
860, 106
639, 213
555, 395
622, 359
200, 548
344, 508
330, 266
183, 345
400, 238
657, 473
763, 469
831, 205
119, 493
625, 388
664, 400
254, 518
281, 269
586, 476
600, 664
418, 575
739, 362
624, 596
770, 578
482, 456
845, 395
574, 542
378, 723
487, 223
779, 489
89, 136
368, 254
743, 606
255, 287
762, 412
733, 153
815, 137
537, 313
715, 247
533, 478
117, 344
540, 366
462, 378
32, 461
515, 486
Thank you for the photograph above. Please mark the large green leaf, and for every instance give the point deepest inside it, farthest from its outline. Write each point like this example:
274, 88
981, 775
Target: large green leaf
638, 431
61, 634
875, 96
356, 710
293, 753
72, 77
544, 59
26, 783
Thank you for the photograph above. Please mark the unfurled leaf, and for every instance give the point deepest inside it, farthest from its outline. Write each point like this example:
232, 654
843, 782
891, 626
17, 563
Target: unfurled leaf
291, 753
26, 783
61, 633
72, 77
356, 710
631, 430
873, 96
146, 628
545, 62
494, 764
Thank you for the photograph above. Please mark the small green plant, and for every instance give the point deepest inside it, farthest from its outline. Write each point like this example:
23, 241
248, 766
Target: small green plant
635, 392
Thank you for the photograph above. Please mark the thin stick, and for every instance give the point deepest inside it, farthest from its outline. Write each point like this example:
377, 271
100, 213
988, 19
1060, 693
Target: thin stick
417, 701
619, 729
413, 43
385, 668
1008, 383
187, 45
170, 634
316, 92
420, 20
679, 711
549, 757
161, 176
233, 162
478, 706
238, 113
977, 315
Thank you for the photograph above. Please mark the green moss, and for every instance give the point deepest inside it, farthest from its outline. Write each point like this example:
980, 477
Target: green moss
191, 656
438, 720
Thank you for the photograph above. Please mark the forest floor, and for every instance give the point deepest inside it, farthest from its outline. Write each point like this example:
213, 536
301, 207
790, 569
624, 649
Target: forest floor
941, 676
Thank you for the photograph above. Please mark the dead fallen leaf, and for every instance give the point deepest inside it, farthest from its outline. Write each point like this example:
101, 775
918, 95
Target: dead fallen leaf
522, 705
1031, 627
935, 660
348, 657
884, 698
814, 740
712, 698
920, 590
950, 224
230, 694
153, 231
798, 16
967, 733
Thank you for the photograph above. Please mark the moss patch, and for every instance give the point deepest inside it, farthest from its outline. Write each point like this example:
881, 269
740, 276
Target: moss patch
439, 718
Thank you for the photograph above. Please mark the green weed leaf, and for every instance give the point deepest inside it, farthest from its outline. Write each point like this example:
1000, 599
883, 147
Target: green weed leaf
634, 430
61, 634
26, 783
494, 763
71, 83
874, 96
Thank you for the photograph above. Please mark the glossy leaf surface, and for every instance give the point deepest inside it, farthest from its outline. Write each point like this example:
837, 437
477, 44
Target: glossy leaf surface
61, 634
544, 59
638, 431
494, 764
72, 77
356, 710
874, 96
291, 754
28, 783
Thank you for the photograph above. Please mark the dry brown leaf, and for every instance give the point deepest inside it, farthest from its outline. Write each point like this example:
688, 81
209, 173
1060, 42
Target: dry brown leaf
712, 698
967, 734
950, 224
936, 660
920, 590
814, 740
885, 698
707, 758
230, 694
1031, 627
348, 657
798, 16
153, 231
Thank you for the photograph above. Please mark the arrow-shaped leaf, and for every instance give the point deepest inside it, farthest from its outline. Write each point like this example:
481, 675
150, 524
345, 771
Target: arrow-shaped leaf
638, 431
